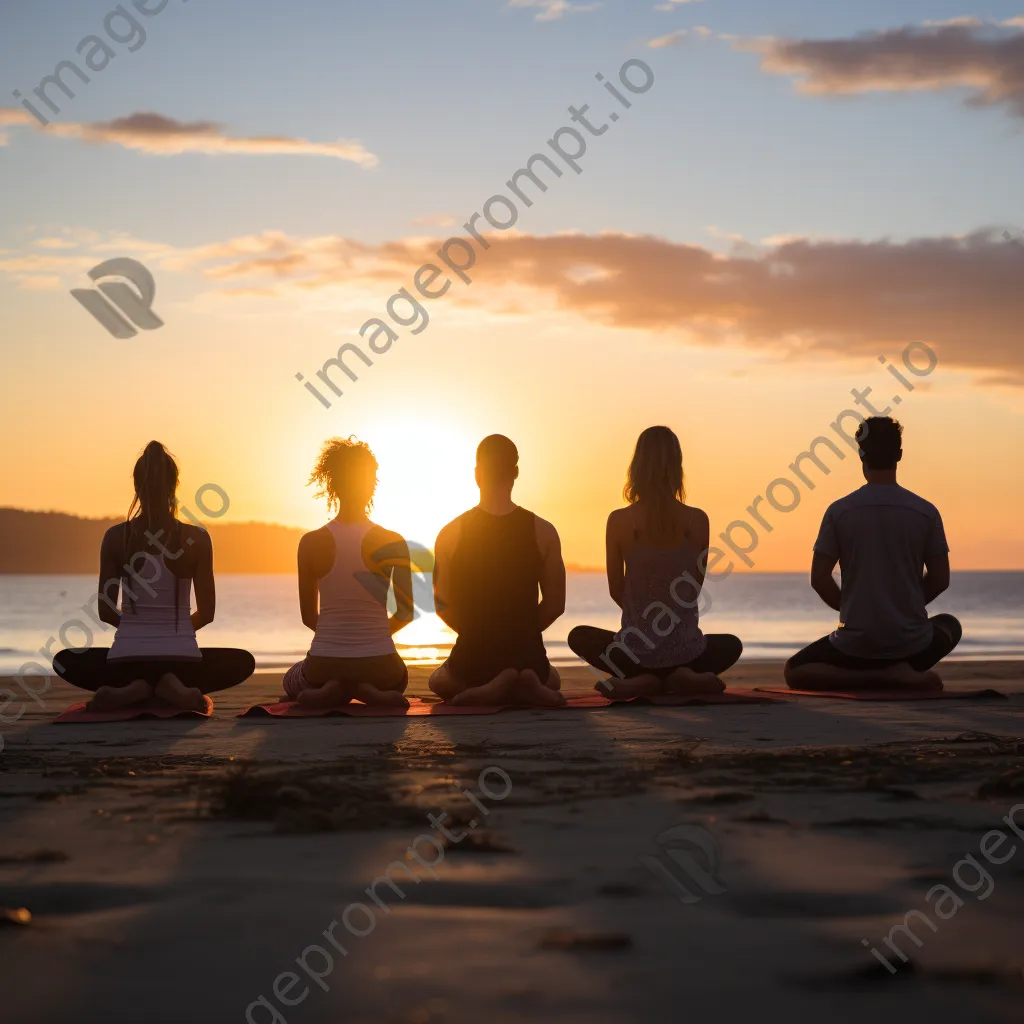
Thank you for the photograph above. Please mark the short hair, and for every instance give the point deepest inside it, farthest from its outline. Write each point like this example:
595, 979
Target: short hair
880, 440
497, 458
346, 469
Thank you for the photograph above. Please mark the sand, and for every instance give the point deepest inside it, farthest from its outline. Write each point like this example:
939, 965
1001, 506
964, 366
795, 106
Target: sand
176, 870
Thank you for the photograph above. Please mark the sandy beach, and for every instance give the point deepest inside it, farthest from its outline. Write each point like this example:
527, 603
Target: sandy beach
190, 870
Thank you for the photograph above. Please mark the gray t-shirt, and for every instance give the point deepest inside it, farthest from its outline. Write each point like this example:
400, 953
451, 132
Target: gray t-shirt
882, 535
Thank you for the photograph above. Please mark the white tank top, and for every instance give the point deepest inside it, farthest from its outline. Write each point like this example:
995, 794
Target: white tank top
353, 617
148, 628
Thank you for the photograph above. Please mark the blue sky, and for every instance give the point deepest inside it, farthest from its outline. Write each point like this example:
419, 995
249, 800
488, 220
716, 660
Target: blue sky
451, 98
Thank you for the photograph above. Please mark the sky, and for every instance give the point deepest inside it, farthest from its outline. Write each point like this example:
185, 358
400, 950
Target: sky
795, 190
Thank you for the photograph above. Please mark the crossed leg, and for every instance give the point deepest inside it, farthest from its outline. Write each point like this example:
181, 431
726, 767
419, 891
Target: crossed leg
510, 686
901, 676
173, 691
110, 698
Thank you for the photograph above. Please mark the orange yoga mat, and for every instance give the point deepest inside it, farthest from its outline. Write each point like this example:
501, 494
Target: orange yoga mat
418, 706
78, 714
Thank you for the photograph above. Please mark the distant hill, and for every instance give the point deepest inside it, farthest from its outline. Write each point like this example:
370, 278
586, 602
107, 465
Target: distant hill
53, 542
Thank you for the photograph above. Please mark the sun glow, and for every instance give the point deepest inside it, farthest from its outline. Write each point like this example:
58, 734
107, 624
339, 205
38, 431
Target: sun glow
425, 476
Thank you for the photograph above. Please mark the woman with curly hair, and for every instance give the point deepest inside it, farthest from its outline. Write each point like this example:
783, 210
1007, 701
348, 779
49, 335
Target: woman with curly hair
346, 569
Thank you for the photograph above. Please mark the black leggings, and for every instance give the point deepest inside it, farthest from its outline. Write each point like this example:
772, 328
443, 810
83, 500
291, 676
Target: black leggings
219, 669
946, 634
591, 644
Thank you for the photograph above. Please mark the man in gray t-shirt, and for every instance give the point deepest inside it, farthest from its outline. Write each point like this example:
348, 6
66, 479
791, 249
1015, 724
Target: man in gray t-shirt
894, 560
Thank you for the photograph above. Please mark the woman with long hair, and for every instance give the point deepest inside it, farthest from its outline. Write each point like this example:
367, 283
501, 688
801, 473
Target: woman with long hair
657, 551
155, 560
346, 570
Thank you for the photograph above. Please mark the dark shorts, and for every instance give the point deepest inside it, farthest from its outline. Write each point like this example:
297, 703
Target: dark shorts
383, 671
947, 632
471, 667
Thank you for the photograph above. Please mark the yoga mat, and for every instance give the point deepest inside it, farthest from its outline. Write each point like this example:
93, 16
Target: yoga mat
889, 694
77, 713
418, 707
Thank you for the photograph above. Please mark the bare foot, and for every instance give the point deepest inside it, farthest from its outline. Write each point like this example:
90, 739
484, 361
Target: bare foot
332, 694
648, 685
554, 680
385, 698
109, 698
442, 683
686, 681
530, 690
909, 678
173, 691
498, 691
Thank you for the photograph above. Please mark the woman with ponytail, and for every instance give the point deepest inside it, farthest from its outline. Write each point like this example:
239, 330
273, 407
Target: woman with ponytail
155, 561
657, 553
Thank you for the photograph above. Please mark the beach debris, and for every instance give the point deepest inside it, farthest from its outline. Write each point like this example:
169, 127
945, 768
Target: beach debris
477, 842
568, 939
15, 917
35, 857
619, 889
318, 798
1009, 783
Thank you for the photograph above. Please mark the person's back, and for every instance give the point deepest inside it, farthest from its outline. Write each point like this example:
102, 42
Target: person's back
883, 535
494, 581
891, 549
346, 570
653, 565
353, 616
155, 619
499, 582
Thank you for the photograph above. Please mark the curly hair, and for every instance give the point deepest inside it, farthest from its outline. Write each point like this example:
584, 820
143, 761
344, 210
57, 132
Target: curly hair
345, 473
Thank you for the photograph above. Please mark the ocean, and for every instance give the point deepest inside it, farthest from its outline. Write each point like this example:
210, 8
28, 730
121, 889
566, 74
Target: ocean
774, 615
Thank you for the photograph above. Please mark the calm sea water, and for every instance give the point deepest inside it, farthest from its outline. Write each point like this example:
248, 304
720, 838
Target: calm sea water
774, 614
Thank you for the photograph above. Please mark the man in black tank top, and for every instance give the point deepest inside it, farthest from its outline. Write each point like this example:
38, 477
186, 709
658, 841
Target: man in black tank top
499, 582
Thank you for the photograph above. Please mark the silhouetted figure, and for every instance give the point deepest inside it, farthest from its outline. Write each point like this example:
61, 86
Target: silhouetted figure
657, 552
155, 560
489, 565
346, 569
894, 561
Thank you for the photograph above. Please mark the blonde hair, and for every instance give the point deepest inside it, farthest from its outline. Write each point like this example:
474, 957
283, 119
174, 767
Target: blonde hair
655, 475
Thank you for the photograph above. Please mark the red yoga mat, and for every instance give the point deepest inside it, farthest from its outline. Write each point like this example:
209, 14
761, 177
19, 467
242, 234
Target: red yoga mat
418, 707
890, 694
77, 713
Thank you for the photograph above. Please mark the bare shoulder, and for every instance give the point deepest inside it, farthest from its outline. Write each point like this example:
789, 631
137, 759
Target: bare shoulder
697, 515
547, 535
115, 535
196, 537
620, 520
315, 542
385, 546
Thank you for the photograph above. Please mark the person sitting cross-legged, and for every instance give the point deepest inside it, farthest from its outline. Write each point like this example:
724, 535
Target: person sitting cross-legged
490, 566
894, 561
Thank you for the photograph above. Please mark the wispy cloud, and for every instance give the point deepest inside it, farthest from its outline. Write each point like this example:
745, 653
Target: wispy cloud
985, 58
158, 135
552, 10
673, 5
793, 298
678, 37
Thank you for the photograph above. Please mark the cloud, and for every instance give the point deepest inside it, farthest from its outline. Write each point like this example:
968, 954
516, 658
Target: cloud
987, 59
436, 220
672, 39
673, 5
801, 298
552, 10
164, 136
